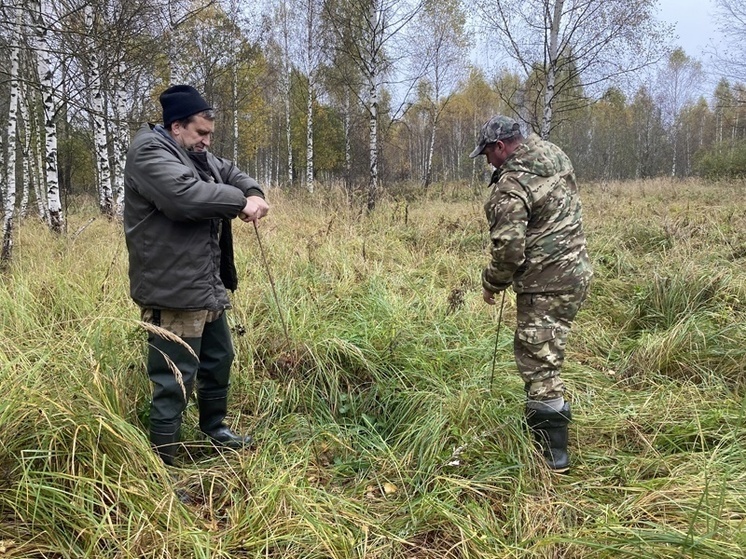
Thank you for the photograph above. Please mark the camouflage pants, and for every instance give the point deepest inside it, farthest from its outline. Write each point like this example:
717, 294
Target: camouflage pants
542, 326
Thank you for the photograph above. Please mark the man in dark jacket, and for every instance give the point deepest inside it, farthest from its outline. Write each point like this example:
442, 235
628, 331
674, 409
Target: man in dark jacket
537, 246
179, 201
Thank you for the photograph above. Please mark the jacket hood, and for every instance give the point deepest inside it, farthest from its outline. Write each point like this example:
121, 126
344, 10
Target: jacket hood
163, 132
538, 157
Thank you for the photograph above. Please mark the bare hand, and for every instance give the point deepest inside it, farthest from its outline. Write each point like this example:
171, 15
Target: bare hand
488, 296
255, 209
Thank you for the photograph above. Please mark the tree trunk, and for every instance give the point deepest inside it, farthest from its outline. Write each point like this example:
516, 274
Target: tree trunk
121, 141
37, 156
348, 144
288, 128
103, 167
9, 197
310, 70
309, 142
234, 96
235, 45
430, 152
287, 83
373, 148
44, 64
25, 137
552, 55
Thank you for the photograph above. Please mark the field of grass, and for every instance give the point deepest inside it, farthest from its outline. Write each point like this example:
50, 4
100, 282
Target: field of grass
379, 435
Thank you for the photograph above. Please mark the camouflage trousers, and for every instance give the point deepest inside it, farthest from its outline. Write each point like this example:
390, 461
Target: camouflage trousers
542, 326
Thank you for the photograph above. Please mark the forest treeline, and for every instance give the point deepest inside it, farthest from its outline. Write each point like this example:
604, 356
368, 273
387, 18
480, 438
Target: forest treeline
365, 93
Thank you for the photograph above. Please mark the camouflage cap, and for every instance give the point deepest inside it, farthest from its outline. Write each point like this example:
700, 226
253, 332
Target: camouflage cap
499, 127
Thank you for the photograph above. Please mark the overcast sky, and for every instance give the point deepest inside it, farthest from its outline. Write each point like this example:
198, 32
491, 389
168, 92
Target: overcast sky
695, 31
694, 24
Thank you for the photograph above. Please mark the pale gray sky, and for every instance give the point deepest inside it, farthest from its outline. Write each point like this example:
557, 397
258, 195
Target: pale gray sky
695, 31
694, 22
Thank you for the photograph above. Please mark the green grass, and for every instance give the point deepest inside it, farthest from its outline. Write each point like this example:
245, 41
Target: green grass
378, 433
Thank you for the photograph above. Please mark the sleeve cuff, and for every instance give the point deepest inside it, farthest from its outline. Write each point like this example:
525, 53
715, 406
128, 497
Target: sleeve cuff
494, 287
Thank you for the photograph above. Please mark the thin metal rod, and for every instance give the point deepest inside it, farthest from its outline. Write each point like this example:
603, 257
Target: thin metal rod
287, 339
272, 284
497, 338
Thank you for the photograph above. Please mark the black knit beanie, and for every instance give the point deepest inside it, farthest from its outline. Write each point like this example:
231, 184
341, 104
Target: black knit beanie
181, 101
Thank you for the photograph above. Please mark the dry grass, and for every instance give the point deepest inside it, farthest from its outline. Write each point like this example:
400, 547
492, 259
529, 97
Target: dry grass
378, 434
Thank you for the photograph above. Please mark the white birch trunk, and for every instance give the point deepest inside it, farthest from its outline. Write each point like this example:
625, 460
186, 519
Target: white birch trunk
36, 154
288, 128
553, 56
9, 198
310, 70
287, 71
173, 59
734, 129
234, 78
373, 144
309, 141
348, 143
103, 168
475, 127
377, 18
44, 63
675, 146
25, 138
431, 149
234, 93
121, 140
172, 45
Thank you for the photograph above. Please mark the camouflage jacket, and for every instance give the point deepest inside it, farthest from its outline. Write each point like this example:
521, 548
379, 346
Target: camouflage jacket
536, 228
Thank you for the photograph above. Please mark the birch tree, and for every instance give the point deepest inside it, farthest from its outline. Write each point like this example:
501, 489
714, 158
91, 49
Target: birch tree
341, 75
121, 137
573, 43
647, 125
726, 115
444, 60
285, 24
235, 49
730, 16
40, 15
678, 85
244, 29
98, 120
312, 57
366, 34
9, 195
174, 15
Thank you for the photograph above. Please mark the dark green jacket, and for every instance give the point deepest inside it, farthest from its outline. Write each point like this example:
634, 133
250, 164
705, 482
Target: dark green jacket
172, 222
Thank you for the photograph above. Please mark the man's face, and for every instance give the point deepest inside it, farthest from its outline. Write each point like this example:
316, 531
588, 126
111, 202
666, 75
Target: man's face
496, 153
196, 135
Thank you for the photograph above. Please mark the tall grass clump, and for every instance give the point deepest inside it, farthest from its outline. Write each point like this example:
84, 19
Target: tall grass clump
364, 370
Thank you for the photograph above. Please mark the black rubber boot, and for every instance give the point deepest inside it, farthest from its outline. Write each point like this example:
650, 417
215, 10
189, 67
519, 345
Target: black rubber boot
169, 398
165, 442
549, 429
212, 412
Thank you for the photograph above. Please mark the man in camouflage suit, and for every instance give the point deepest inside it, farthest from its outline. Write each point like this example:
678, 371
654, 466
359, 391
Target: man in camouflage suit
538, 246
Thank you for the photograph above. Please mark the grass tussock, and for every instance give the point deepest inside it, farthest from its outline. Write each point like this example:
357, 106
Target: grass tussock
379, 435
